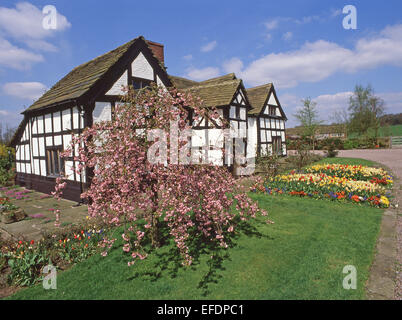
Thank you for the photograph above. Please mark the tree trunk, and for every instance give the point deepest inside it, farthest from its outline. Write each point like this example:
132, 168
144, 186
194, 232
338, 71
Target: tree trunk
154, 232
155, 223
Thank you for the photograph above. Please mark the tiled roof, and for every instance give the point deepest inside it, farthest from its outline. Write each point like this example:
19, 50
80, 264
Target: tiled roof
226, 77
216, 93
82, 78
257, 97
182, 83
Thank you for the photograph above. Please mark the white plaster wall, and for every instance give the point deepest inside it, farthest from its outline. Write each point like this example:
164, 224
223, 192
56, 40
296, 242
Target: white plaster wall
48, 123
43, 167
269, 136
36, 166
215, 138
141, 68
34, 130
215, 157
198, 138
18, 152
278, 112
76, 118
27, 153
252, 137
234, 128
66, 119
263, 136
272, 100
49, 141
102, 112
56, 122
41, 142
159, 82
232, 113
243, 113
66, 141
69, 167
57, 140
40, 124
35, 147
117, 87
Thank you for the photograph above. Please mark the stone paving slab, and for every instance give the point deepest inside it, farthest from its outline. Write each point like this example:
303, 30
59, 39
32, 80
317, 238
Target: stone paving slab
40, 218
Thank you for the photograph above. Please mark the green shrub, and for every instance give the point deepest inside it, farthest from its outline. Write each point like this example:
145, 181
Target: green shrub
7, 156
329, 142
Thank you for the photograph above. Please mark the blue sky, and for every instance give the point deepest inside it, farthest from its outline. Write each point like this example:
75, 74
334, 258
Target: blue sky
300, 46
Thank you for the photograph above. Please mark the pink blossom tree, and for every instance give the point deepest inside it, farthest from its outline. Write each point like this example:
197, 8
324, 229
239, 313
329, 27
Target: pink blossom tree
128, 189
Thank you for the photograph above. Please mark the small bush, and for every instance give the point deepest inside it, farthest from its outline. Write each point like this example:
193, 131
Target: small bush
7, 171
329, 142
269, 166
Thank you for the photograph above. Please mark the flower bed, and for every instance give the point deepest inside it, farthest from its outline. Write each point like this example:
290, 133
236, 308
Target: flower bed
357, 184
361, 173
24, 260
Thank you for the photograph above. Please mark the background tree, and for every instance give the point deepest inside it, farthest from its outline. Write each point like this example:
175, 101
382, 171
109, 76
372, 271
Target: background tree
308, 118
365, 111
184, 202
341, 118
6, 134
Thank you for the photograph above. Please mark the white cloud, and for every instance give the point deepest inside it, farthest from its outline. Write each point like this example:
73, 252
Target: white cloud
188, 57
318, 60
271, 25
393, 101
17, 58
287, 36
40, 45
209, 46
23, 25
336, 12
24, 90
202, 74
24, 22
233, 65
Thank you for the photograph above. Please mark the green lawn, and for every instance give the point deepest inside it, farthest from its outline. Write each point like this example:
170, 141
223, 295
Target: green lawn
301, 256
386, 131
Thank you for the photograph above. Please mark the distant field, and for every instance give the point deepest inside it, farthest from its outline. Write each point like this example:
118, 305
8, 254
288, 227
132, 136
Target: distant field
386, 131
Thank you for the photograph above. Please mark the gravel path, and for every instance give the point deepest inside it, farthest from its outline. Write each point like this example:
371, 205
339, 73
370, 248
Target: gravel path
392, 158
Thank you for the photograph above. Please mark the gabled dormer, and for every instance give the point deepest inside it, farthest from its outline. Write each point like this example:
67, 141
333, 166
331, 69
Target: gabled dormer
265, 102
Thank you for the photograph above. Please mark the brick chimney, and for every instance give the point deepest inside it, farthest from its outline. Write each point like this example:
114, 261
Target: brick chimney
157, 49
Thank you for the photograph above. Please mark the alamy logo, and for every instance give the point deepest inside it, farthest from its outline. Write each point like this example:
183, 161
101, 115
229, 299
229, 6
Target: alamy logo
228, 144
50, 278
350, 281
350, 21
49, 21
